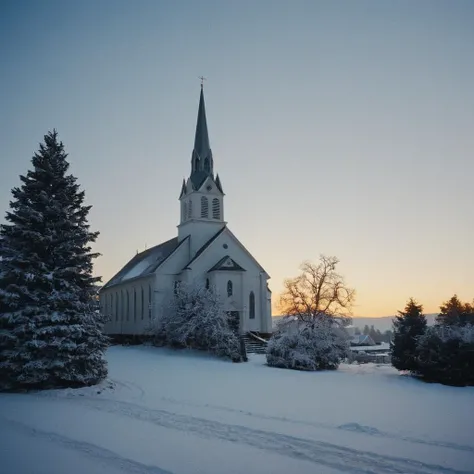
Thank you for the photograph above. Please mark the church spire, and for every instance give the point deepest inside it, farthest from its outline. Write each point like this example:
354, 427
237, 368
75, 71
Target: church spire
202, 164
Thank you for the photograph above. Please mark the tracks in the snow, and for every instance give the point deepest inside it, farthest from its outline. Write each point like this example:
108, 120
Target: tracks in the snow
106, 456
322, 453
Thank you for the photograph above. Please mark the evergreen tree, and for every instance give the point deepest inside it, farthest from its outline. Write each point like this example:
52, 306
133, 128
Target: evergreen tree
373, 333
357, 331
454, 312
50, 331
408, 326
366, 330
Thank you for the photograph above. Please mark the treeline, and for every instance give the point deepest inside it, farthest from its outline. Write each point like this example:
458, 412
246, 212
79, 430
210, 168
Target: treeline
377, 336
441, 353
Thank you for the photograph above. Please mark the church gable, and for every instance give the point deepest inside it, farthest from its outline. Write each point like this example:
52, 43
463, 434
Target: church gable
224, 244
227, 264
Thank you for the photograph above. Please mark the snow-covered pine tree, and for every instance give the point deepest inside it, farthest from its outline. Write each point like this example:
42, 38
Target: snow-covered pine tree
408, 326
50, 333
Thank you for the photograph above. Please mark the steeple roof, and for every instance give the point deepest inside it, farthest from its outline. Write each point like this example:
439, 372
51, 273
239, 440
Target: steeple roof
202, 164
201, 139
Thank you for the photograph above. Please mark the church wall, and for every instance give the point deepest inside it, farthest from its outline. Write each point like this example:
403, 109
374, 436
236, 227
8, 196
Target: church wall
251, 280
128, 314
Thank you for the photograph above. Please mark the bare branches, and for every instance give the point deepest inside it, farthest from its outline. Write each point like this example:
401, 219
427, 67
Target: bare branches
318, 292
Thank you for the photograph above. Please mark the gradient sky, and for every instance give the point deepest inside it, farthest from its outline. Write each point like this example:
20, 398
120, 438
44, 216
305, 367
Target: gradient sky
338, 127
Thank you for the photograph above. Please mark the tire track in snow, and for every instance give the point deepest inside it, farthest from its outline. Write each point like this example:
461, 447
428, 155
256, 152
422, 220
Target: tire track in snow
352, 427
111, 458
338, 457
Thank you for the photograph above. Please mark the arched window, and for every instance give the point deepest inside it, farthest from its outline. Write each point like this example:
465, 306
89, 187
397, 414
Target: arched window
149, 302
116, 307
185, 211
104, 305
229, 288
207, 283
190, 209
143, 303
128, 306
252, 305
122, 305
134, 304
216, 209
204, 207
207, 165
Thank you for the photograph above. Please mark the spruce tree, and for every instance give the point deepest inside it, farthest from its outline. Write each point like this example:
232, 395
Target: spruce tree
455, 313
50, 333
408, 326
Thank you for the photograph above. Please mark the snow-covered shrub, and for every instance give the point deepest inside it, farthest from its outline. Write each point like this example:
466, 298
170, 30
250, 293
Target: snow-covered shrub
195, 318
321, 345
445, 354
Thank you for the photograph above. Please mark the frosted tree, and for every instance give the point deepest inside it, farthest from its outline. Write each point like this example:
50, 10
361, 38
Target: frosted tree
319, 292
445, 354
317, 305
195, 318
50, 333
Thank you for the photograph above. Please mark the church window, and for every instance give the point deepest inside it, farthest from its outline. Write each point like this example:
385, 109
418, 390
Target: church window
190, 209
230, 288
176, 286
116, 307
207, 283
149, 302
185, 211
134, 304
204, 207
216, 209
128, 306
122, 305
252, 305
207, 165
143, 303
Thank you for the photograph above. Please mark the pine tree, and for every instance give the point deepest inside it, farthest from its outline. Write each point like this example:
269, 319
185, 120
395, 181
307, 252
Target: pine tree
408, 326
454, 312
366, 330
50, 333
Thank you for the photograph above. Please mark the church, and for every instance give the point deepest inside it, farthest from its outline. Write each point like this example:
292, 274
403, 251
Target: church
204, 252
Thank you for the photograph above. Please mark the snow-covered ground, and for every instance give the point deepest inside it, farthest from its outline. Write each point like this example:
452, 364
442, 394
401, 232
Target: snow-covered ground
163, 411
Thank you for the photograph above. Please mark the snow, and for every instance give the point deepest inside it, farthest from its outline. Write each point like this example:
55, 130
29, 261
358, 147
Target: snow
181, 412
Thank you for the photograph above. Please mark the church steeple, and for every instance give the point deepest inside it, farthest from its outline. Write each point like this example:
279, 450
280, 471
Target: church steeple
202, 164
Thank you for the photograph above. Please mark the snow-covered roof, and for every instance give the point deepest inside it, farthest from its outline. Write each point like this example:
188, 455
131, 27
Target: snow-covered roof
145, 263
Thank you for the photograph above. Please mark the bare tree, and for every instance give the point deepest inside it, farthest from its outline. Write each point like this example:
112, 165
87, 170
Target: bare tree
319, 292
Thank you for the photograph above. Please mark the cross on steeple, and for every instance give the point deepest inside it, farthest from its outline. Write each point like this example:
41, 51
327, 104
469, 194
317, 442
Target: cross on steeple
202, 80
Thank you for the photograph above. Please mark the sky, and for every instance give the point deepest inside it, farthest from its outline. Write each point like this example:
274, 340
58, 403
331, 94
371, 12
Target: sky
338, 127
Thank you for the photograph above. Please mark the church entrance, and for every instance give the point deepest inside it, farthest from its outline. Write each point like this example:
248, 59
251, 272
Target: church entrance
234, 321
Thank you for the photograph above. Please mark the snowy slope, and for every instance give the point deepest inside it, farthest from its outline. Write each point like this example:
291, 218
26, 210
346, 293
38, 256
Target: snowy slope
179, 412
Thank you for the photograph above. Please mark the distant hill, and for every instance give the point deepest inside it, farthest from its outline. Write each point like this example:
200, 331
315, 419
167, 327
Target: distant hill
384, 323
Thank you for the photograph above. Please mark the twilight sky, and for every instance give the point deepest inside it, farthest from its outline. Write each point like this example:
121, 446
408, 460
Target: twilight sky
337, 127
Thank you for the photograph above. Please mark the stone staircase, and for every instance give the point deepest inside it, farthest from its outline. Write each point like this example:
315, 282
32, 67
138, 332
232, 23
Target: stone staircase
254, 344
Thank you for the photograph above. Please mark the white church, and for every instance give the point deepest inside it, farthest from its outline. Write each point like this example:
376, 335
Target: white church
205, 251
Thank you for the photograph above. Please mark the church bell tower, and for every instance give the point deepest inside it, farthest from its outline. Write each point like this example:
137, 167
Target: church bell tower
202, 197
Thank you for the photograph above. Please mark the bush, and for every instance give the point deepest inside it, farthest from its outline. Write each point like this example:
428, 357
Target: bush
322, 345
195, 318
445, 354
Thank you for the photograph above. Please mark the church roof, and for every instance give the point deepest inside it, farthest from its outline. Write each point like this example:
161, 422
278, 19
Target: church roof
228, 264
145, 263
204, 247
